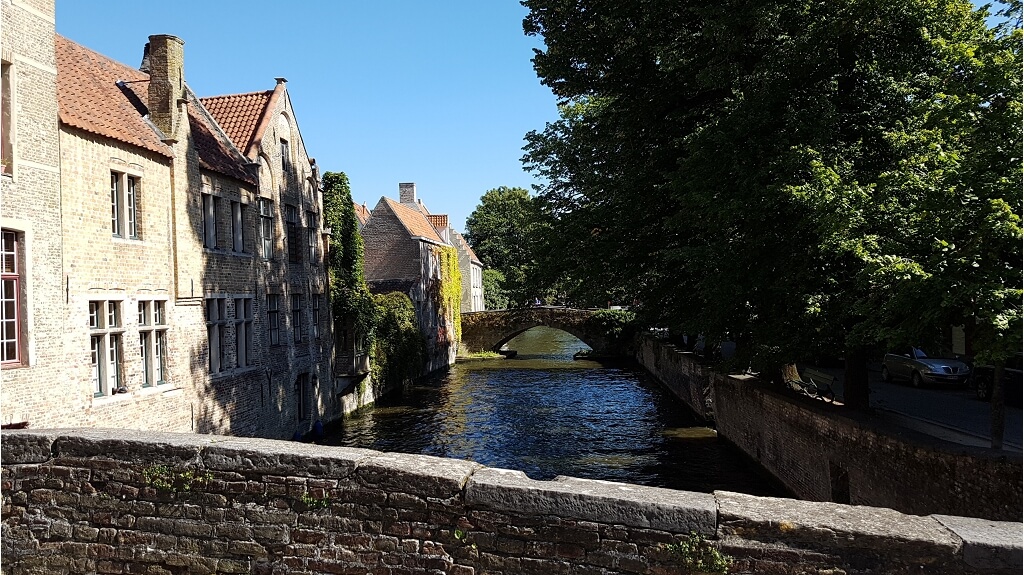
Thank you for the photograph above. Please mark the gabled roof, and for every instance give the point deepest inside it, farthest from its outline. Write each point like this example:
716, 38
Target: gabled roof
362, 213
465, 245
104, 97
215, 151
244, 117
415, 222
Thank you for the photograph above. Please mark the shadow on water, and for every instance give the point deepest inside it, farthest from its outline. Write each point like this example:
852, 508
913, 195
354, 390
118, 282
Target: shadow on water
545, 414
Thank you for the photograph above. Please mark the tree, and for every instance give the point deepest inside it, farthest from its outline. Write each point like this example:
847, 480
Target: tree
791, 175
503, 230
494, 294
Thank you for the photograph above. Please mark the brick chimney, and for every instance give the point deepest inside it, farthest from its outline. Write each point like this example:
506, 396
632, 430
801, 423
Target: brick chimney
407, 193
166, 62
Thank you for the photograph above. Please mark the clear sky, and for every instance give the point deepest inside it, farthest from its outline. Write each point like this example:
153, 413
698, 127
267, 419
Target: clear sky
438, 93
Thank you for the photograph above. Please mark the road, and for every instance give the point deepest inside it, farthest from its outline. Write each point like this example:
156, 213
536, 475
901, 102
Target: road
951, 414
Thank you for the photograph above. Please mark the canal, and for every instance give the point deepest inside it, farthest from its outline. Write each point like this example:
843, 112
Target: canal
545, 414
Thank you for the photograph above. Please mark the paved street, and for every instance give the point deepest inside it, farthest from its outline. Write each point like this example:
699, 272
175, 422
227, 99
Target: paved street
951, 414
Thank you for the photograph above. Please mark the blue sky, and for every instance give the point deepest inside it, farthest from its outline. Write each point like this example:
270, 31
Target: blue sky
387, 91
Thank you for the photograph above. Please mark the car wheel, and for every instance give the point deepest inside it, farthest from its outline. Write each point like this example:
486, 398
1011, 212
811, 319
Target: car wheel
982, 389
915, 379
886, 376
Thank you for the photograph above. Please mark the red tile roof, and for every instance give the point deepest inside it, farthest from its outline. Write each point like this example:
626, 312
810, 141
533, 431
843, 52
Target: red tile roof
362, 213
414, 221
215, 151
90, 99
243, 117
439, 221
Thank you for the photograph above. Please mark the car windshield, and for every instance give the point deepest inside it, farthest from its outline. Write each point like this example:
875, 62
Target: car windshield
918, 354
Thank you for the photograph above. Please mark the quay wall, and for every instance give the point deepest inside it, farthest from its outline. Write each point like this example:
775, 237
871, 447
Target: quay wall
824, 452
103, 501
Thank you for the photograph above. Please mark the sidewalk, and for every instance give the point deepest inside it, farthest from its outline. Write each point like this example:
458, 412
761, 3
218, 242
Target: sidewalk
949, 414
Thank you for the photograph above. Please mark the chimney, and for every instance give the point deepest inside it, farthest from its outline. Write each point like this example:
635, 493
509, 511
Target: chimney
407, 193
165, 58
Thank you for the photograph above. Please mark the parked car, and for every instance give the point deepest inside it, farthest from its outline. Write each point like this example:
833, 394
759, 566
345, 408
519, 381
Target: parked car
915, 365
982, 378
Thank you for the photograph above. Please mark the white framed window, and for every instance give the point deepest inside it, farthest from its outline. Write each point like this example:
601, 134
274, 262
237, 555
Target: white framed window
243, 331
124, 205
216, 330
311, 236
274, 318
266, 228
210, 204
106, 332
10, 299
153, 342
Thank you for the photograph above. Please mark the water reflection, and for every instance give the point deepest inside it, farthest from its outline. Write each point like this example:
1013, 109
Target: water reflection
547, 415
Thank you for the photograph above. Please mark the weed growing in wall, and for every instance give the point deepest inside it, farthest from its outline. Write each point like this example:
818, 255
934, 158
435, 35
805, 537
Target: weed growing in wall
313, 502
698, 555
175, 480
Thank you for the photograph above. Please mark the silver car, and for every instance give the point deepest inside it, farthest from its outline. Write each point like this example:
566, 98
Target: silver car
915, 365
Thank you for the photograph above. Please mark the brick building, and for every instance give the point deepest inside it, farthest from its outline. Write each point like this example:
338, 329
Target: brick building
160, 271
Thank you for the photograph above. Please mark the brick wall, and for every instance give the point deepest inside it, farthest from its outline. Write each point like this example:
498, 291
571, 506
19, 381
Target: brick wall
824, 452
88, 501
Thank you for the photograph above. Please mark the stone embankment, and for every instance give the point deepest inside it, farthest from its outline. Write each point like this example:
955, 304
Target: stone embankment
116, 501
824, 452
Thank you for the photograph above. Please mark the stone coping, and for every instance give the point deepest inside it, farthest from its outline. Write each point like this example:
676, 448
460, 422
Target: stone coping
980, 544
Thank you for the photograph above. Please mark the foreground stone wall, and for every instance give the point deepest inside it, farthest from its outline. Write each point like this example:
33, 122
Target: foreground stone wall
823, 452
88, 501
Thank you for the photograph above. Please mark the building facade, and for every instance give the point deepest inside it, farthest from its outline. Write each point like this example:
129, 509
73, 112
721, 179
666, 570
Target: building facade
157, 274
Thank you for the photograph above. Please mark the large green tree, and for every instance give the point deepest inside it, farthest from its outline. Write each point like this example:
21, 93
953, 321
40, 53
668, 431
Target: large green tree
503, 231
798, 176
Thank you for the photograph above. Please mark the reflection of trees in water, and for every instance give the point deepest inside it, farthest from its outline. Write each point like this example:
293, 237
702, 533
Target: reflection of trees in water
548, 415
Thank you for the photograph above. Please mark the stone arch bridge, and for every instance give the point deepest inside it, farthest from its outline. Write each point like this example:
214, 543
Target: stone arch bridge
489, 330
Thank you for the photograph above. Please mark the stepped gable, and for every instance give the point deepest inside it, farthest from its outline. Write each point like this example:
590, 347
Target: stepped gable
216, 152
243, 117
469, 249
415, 222
90, 98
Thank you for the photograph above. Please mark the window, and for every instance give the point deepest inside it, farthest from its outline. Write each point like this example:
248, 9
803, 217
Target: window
297, 317
274, 318
267, 228
7, 109
243, 331
311, 239
302, 396
315, 306
237, 244
291, 218
216, 320
210, 221
286, 159
124, 205
105, 347
10, 299
152, 342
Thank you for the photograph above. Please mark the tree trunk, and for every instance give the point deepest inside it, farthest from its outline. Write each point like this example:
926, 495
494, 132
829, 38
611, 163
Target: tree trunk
998, 406
855, 382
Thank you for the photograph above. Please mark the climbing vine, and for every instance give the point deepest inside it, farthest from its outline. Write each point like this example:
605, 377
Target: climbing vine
448, 295
398, 348
350, 298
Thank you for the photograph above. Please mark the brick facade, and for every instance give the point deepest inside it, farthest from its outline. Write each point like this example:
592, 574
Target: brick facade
173, 305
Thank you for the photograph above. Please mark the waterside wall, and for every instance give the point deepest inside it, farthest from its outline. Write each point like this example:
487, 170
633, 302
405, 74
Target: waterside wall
824, 452
103, 501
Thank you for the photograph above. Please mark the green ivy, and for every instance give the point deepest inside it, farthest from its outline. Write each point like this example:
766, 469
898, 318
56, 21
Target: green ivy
167, 478
398, 347
698, 555
350, 298
448, 298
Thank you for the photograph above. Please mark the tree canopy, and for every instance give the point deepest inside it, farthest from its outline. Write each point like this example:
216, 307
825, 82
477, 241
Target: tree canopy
503, 230
795, 175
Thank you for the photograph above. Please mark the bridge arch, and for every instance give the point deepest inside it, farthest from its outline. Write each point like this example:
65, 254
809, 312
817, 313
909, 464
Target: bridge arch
489, 330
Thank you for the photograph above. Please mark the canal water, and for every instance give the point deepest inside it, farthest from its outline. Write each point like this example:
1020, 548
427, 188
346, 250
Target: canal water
546, 414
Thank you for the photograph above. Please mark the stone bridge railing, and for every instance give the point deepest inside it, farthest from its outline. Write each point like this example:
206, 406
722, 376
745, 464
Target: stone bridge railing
116, 501
489, 330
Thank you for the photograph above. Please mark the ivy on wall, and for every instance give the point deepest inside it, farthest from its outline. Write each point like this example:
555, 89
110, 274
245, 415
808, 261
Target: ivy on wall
448, 295
398, 348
